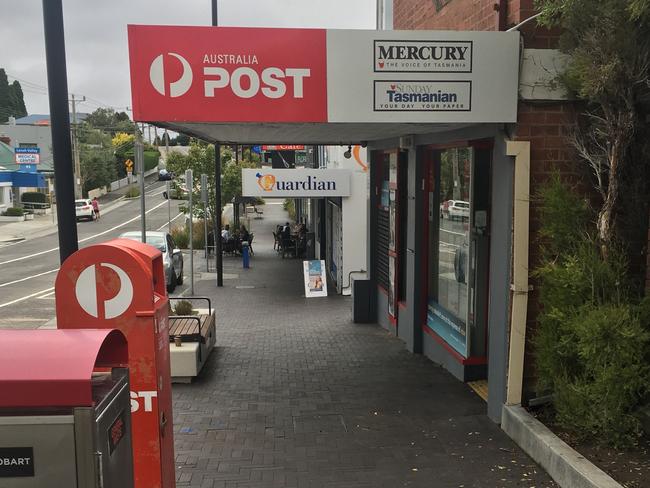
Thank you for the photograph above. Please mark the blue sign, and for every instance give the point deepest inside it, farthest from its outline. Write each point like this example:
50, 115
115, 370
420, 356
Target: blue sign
28, 168
28, 155
450, 328
257, 149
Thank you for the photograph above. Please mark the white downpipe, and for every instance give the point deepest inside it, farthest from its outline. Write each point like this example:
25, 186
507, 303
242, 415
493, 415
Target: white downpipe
519, 287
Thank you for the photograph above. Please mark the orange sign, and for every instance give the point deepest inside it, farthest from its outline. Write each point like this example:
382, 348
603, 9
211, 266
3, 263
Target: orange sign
120, 284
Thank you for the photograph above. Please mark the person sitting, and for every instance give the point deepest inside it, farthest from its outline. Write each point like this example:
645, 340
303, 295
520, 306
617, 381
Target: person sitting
225, 233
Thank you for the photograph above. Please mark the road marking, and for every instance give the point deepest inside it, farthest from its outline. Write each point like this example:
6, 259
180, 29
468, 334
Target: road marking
27, 297
29, 277
22, 258
165, 225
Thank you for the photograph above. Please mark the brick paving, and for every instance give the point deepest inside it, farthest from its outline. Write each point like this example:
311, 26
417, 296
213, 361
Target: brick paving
295, 395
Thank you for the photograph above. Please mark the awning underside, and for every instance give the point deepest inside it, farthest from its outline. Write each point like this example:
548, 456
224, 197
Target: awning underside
302, 133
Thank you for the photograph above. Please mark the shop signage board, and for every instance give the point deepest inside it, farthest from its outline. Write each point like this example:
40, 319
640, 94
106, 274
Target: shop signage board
295, 183
28, 155
294, 147
232, 74
315, 278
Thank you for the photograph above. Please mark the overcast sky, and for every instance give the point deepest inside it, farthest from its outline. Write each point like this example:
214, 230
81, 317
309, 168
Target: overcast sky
96, 43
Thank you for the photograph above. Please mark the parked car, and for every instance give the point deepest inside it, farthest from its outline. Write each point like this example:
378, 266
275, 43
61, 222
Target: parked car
458, 210
171, 253
84, 209
164, 175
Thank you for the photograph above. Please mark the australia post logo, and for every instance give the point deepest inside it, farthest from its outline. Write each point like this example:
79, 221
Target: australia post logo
205, 74
394, 56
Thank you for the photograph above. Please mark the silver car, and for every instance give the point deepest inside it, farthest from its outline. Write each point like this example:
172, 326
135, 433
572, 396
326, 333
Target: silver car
171, 253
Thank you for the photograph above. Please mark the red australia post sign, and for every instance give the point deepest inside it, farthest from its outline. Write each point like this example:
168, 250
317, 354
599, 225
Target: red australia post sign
228, 74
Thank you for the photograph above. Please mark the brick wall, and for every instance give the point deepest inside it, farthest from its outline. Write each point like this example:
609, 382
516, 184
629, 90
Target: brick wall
470, 15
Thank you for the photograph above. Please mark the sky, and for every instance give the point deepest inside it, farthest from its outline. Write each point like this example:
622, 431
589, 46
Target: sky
96, 42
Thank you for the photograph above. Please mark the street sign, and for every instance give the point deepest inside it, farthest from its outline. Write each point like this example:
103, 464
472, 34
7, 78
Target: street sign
129, 165
204, 189
27, 155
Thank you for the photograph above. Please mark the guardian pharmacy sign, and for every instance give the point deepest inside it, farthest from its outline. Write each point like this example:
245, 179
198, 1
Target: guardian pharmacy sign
295, 183
191, 75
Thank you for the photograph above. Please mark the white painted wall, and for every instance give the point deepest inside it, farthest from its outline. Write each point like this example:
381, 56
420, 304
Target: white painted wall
354, 213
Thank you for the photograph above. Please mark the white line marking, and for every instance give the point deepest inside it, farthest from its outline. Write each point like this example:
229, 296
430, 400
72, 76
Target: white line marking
29, 277
165, 225
22, 258
27, 297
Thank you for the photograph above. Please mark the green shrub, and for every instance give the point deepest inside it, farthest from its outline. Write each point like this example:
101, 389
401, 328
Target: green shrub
132, 192
184, 307
607, 376
33, 197
593, 340
151, 159
290, 206
181, 237
14, 212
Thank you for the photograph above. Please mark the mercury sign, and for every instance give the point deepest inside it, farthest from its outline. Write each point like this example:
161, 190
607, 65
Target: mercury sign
28, 155
295, 183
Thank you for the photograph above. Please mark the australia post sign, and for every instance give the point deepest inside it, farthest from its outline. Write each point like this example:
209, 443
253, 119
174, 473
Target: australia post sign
258, 75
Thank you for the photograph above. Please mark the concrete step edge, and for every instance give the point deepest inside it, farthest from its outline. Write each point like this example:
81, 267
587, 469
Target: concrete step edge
565, 465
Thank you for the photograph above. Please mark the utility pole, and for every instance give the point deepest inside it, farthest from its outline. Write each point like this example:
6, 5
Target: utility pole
217, 181
75, 146
57, 82
139, 169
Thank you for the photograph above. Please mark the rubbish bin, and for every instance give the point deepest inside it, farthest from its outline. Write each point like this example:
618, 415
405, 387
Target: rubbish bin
65, 416
364, 306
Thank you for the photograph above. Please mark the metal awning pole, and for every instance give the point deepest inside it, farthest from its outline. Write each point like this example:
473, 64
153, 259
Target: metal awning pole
217, 183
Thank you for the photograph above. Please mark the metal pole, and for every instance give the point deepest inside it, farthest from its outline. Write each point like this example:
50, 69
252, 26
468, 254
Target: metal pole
139, 169
217, 181
189, 183
169, 207
75, 148
57, 82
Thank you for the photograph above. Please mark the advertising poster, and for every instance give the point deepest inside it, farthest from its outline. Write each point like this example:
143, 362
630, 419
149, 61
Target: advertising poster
392, 222
315, 279
392, 292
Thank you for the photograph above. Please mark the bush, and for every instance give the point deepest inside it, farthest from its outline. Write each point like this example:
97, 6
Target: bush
14, 212
33, 197
132, 192
290, 206
184, 307
593, 341
181, 237
607, 374
151, 159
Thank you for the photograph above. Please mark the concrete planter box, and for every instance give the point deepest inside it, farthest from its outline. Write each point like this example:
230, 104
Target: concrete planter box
567, 467
29, 216
4, 218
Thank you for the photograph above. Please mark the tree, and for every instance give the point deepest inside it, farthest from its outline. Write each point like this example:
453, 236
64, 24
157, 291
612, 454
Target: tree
110, 121
97, 168
609, 46
12, 103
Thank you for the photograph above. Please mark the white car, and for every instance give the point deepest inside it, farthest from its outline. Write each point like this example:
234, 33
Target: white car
171, 254
84, 209
458, 210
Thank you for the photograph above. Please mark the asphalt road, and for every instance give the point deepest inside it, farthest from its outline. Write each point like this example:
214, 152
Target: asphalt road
29, 267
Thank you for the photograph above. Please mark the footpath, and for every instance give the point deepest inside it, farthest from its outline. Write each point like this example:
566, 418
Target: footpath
296, 395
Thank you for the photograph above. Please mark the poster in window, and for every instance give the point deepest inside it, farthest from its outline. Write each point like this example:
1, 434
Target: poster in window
392, 222
392, 289
392, 170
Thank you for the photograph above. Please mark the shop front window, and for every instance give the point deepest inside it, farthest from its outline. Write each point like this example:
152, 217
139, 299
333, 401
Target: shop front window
450, 249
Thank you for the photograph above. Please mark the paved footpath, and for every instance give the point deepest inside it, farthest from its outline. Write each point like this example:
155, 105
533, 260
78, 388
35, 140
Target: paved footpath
296, 395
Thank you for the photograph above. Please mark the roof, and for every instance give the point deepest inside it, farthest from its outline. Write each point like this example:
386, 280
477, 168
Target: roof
43, 119
7, 158
53, 368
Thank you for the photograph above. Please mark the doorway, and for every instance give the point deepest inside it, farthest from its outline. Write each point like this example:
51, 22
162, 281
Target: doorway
458, 186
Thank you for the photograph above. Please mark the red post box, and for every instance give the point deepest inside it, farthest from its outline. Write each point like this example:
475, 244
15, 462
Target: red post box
120, 284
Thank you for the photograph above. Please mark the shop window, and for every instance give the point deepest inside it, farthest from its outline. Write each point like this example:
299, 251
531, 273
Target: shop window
450, 248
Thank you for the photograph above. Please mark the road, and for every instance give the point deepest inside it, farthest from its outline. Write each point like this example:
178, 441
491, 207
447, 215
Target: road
29, 267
